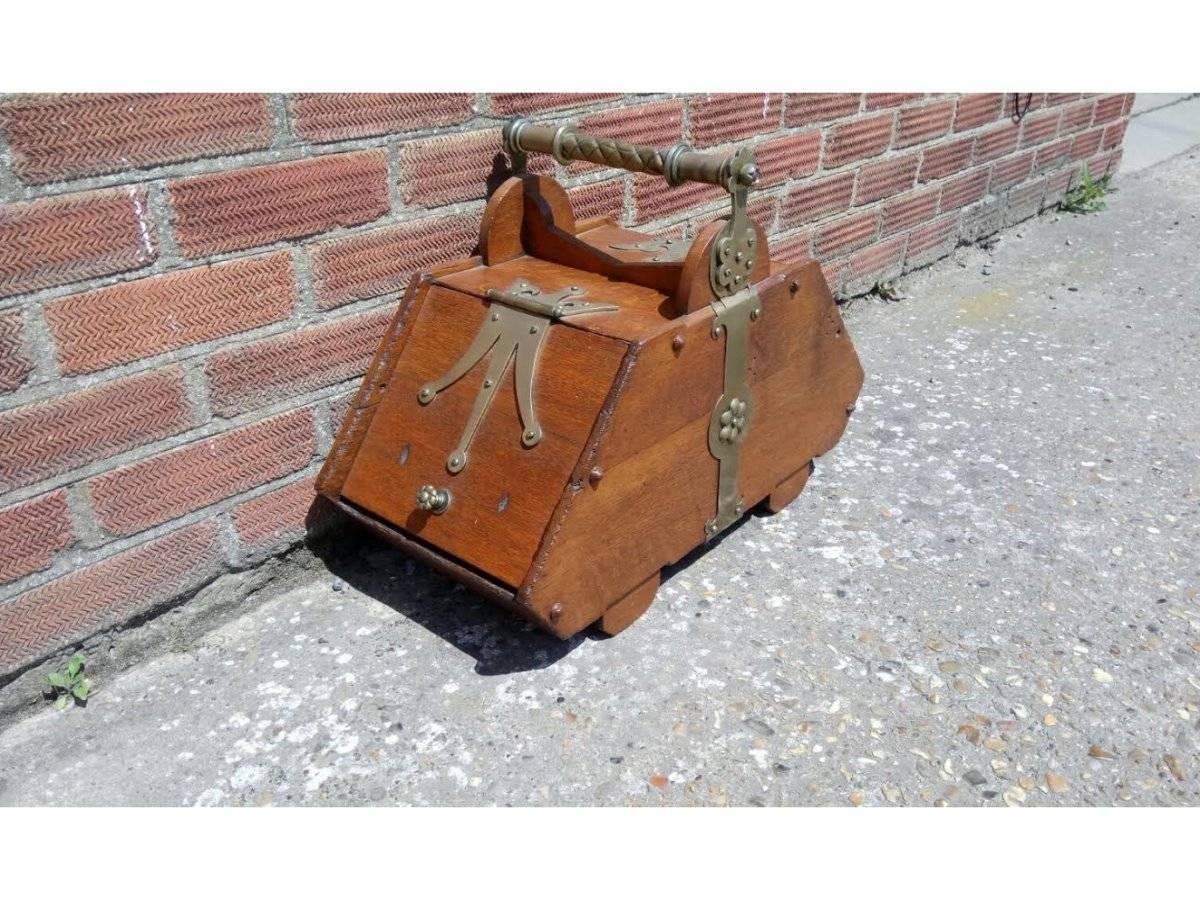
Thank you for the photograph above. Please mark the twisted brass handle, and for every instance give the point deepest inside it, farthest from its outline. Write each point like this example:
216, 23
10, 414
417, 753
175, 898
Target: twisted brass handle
677, 164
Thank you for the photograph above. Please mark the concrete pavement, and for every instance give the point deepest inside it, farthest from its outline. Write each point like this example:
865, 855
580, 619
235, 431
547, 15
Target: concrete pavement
989, 594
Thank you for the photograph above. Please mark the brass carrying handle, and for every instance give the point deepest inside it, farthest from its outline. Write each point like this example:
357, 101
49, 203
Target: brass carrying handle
677, 164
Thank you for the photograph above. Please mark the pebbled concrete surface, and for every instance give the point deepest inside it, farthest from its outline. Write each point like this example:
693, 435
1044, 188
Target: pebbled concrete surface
988, 595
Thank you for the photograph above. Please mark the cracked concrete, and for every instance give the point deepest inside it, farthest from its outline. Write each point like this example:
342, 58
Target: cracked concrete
989, 594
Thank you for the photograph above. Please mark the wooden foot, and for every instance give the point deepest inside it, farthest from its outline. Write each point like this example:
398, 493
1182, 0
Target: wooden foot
629, 608
788, 489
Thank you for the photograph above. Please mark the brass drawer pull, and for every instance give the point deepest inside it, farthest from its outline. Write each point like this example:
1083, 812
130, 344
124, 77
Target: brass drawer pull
432, 499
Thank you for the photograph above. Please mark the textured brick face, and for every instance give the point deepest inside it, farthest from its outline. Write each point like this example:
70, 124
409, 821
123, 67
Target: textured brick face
57, 240
49, 438
886, 101
946, 159
449, 169
1109, 109
275, 519
653, 198
526, 104
33, 534
788, 157
965, 189
1008, 172
15, 364
261, 205
996, 142
106, 593
244, 378
720, 118
846, 234
857, 140
977, 109
813, 200
143, 318
605, 198
924, 123
1077, 116
909, 210
340, 117
885, 179
806, 109
163, 487
1040, 127
382, 261
59, 136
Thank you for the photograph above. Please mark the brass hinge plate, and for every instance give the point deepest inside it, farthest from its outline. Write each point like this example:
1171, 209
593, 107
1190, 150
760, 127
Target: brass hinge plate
516, 323
732, 412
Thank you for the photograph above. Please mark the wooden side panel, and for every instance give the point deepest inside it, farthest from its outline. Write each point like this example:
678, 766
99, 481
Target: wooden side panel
503, 499
658, 484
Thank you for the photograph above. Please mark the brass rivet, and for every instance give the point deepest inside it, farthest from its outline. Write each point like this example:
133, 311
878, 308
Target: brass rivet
495, 317
677, 342
556, 612
487, 382
794, 286
850, 407
533, 329
595, 475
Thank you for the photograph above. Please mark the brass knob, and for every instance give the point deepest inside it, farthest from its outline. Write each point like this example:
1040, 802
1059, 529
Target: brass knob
432, 499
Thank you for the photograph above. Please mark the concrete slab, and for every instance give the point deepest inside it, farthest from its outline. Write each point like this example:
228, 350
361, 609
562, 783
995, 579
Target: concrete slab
1160, 134
989, 594
1143, 103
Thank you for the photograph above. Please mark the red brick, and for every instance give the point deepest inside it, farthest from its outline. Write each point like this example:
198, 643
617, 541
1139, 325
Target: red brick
1052, 154
1060, 99
449, 169
338, 407
886, 179
792, 250
139, 319
340, 117
275, 519
1077, 116
107, 593
1114, 134
924, 123
794, 156
930, 242
812, 109
887, 101
34, 532
1024, 201
1040, 127
977, 109
45, 439
15, 364
910, 209
816, 199
1011, 170
601, 198
527, 104
250, 376
58, 136
260, 205
382, 261
946, 159
653, 198
171, 484
997, 141
875, 263
720, 118
1017, 106
861, 139
1087, 144
657, 124
1107, 164
1128, 107
1109, 109
846, 234
57, 240
965, 189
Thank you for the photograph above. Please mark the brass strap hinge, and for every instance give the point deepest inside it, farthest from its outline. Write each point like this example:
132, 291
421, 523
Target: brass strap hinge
516, 324
731, 415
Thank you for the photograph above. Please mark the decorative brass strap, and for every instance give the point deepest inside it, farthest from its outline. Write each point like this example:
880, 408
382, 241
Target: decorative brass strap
732, 413
516, 324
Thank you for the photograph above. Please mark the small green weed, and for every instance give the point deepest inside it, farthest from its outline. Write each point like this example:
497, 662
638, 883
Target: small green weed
69, 682
1087, 196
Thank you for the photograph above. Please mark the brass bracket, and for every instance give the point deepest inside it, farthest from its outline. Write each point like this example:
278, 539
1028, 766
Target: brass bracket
664, 249
516, 323
736, 248
731, 415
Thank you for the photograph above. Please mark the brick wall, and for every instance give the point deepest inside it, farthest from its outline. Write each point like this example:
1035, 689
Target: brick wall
191, 285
